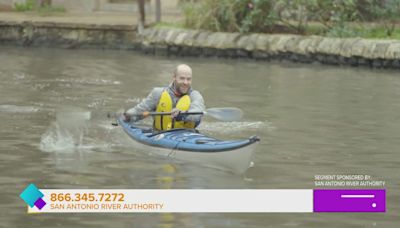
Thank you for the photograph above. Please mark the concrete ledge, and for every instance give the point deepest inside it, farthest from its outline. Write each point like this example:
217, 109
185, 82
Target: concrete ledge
307, 49
181, 42
68, 35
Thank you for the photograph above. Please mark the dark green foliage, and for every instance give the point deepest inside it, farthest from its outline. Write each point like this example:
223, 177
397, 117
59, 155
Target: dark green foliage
27, 6
342, 18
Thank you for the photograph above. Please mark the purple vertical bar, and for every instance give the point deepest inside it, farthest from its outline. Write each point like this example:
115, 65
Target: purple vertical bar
349, 200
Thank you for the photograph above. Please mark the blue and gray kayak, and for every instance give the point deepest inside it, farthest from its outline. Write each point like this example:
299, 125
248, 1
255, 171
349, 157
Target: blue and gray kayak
190, 145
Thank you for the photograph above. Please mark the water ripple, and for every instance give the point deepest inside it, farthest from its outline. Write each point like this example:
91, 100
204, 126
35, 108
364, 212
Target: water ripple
228, 127
86, 81
18, 109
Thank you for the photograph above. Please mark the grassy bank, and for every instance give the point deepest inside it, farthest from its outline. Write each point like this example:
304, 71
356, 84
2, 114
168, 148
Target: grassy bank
42, 10
371, 19
361, 30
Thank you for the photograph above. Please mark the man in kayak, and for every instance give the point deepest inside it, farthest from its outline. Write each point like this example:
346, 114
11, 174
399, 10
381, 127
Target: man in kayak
178, 98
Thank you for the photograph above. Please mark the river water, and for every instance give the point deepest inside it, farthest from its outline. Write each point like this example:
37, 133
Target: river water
312, 120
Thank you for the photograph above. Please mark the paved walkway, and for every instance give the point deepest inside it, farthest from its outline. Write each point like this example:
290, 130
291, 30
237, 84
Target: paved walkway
98, 18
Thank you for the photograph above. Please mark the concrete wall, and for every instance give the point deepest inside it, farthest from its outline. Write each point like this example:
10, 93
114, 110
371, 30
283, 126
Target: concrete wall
180, 42
167, 6
8, 5
71, 5
306, 49
68, 35
78, 5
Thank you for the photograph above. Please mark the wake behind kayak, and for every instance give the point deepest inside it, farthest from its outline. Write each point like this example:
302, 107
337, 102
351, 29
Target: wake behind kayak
190, 145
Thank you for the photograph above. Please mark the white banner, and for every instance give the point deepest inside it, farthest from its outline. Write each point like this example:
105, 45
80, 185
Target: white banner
173, 200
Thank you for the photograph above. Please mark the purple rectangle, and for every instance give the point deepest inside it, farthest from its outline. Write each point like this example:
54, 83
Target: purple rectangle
349, 200
40, 203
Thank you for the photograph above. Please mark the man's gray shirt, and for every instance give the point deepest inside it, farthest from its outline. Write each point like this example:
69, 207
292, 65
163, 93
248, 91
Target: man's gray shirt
151, 101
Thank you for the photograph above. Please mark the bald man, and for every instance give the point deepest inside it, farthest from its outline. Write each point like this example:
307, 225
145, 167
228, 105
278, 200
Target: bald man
178, 98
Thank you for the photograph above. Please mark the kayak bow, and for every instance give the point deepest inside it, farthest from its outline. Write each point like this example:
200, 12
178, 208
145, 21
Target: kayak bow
190, 145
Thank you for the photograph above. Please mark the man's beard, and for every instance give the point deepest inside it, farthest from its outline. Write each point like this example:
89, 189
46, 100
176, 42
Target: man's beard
179, 90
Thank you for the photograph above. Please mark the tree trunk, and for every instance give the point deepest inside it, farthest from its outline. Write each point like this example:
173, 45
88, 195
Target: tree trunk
158, 11
42, 3
142, 16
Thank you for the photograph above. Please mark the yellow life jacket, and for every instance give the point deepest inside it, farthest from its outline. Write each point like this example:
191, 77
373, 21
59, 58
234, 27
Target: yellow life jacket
165, 104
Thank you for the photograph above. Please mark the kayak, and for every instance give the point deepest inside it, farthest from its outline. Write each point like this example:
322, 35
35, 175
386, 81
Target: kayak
190, 145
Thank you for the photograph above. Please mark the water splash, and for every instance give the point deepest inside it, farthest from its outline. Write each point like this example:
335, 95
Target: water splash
90, 81
229, 127
18, 109
67, 133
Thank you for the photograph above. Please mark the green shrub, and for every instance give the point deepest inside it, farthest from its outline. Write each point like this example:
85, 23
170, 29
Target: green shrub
27, 6
211, 15
388, 14
339, 18
48, 10
45, 9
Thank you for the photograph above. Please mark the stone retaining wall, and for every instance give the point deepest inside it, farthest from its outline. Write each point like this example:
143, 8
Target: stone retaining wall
67, 35
180, 42
337, 51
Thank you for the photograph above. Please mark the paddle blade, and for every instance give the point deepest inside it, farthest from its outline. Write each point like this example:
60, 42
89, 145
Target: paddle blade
225, 114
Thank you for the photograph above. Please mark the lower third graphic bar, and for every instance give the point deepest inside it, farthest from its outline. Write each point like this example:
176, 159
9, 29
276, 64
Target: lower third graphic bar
349, 200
